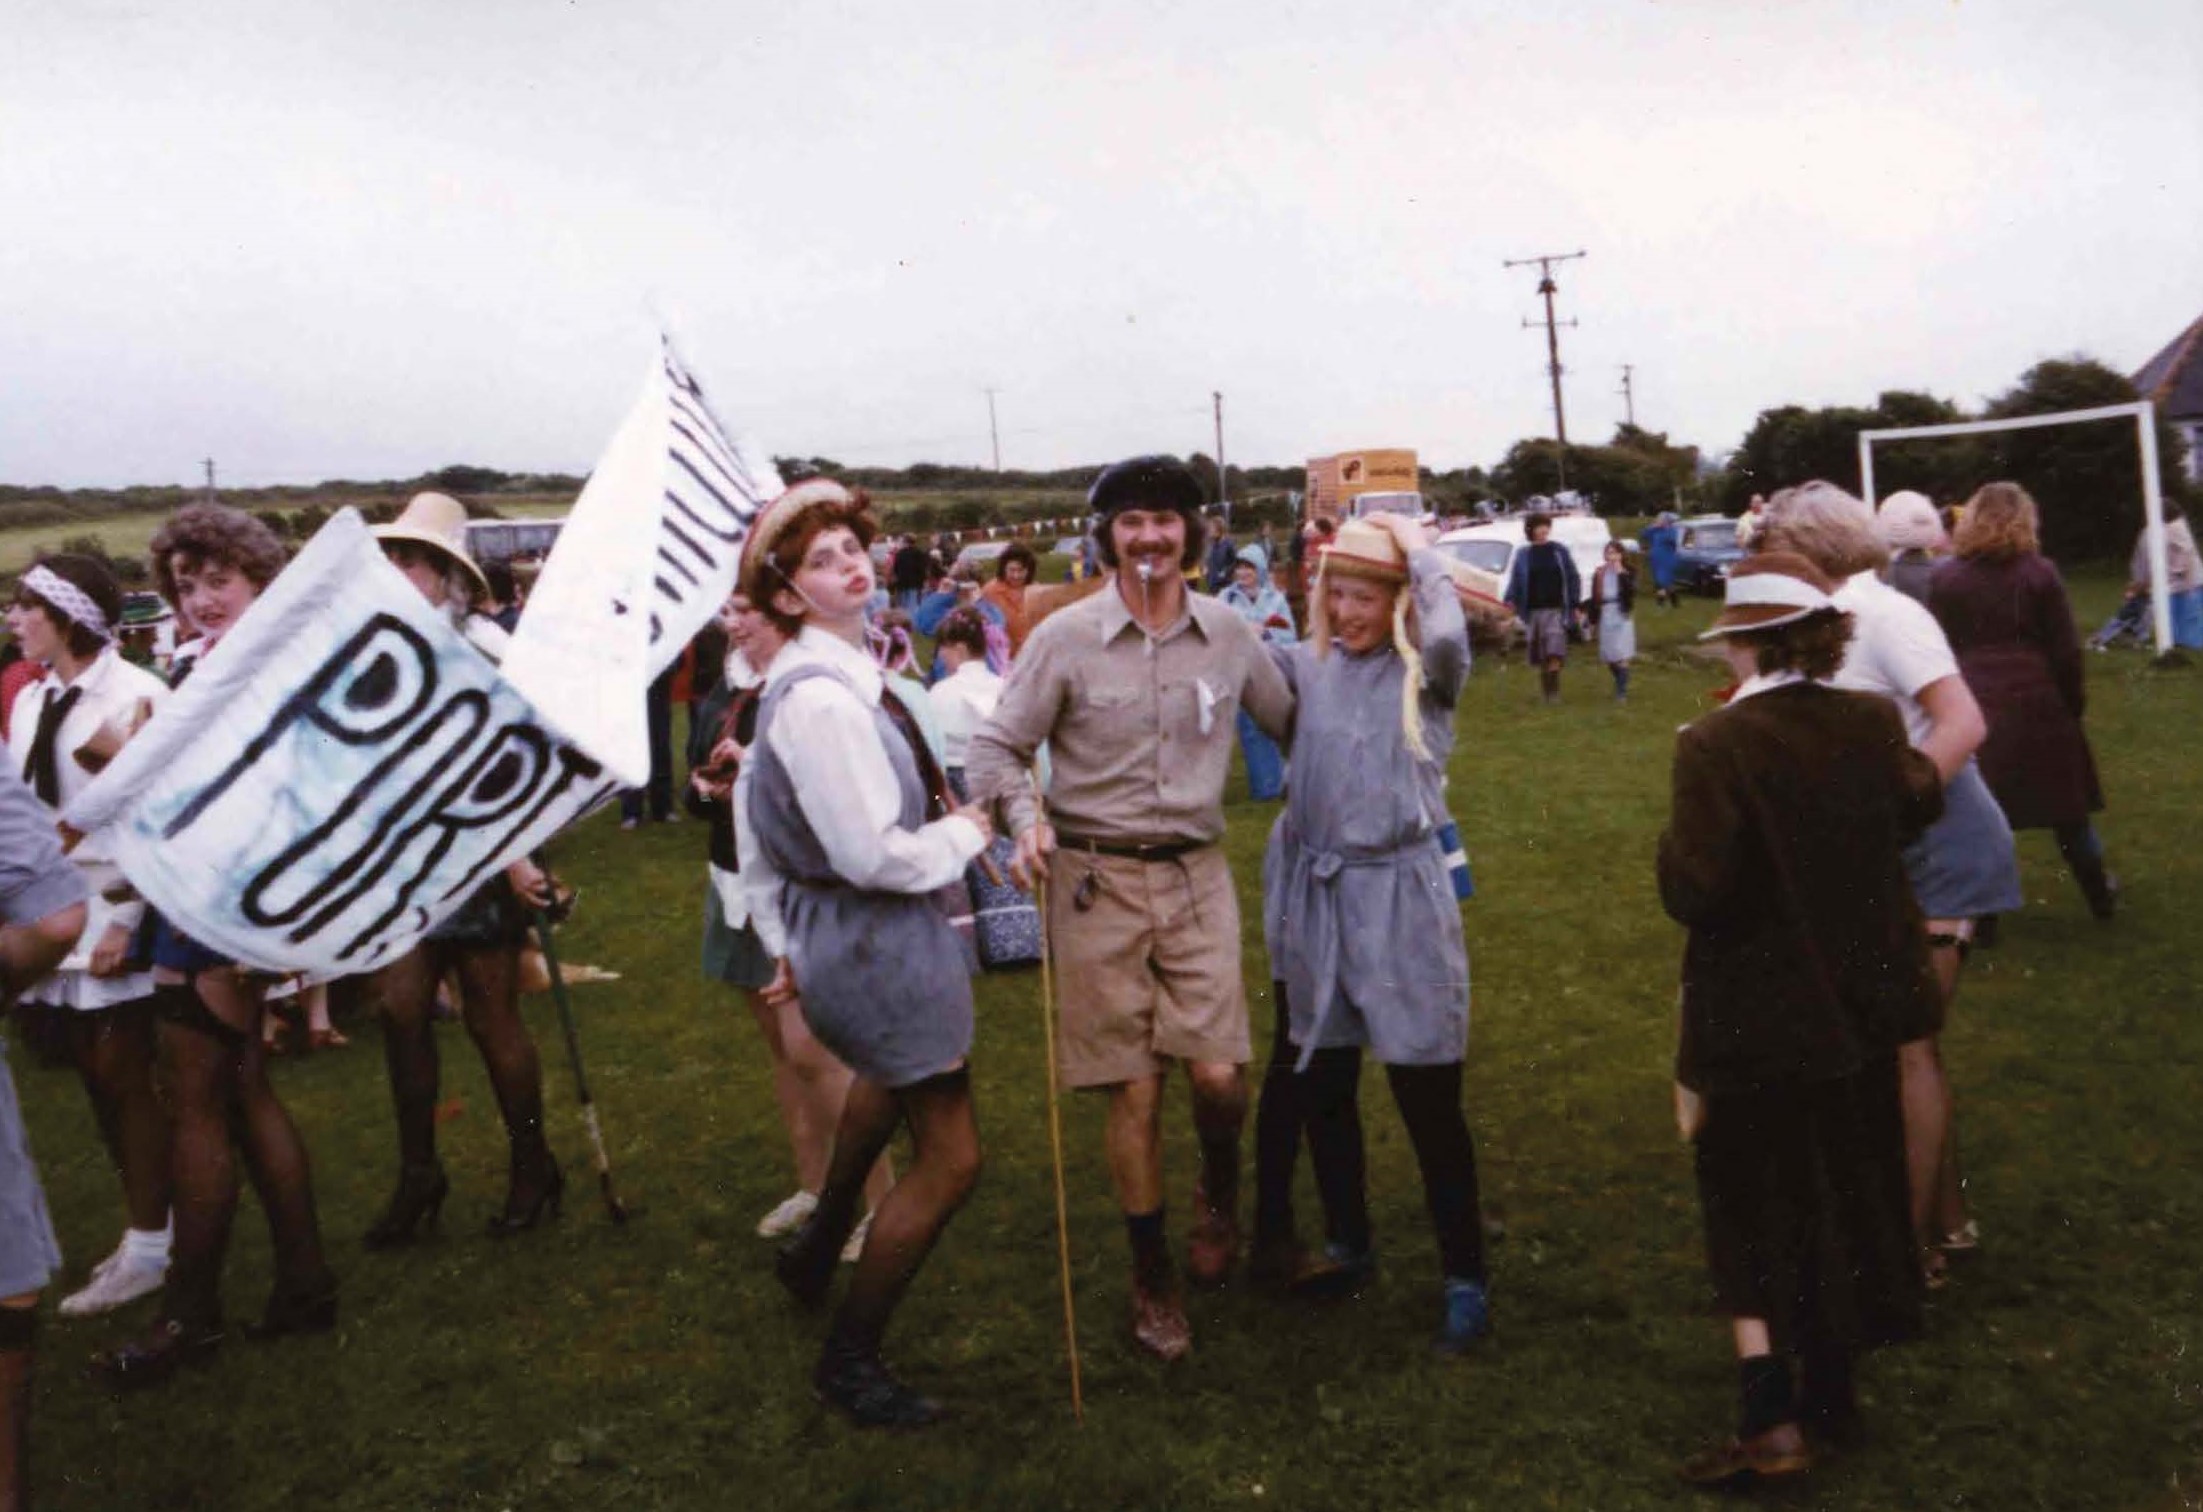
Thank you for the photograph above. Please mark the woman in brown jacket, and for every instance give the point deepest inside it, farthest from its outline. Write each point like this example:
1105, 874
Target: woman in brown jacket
1806, 968
2003, 606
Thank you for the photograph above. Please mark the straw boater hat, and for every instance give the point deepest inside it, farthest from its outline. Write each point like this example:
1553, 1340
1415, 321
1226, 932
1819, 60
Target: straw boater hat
438, 520
1907, 521
1366, 551
770, 525
1772, 589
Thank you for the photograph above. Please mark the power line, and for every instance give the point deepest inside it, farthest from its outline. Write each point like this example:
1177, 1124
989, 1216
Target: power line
1548, 288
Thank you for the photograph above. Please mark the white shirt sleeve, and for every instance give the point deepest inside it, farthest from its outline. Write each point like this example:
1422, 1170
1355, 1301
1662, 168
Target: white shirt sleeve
760, 883
848, 792
1912, 647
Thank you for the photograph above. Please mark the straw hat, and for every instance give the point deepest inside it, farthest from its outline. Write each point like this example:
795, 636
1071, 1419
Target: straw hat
1774, 588
1363, 550
772, 523
440, 521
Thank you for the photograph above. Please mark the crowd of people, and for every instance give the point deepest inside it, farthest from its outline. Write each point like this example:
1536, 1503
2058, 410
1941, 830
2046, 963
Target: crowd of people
1840, 839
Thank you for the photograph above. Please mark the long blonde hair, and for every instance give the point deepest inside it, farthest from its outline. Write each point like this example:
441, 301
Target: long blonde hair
1404, 626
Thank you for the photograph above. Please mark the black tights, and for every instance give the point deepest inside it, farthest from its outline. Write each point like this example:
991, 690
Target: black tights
1429, 1100
1277, 1124
113, 1051
224, 1102
944, 1167
489, 994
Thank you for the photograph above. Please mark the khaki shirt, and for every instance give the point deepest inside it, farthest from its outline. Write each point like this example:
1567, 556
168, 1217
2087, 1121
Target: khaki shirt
1140, 734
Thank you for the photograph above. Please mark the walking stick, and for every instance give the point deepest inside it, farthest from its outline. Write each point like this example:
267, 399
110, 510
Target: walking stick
1055, 1120
613, 1206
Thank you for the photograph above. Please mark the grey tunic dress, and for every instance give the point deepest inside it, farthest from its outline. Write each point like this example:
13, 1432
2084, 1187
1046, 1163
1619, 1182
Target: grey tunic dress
1358, 908
1617, 631
883, 976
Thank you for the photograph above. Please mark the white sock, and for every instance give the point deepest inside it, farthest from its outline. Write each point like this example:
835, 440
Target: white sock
146, 1245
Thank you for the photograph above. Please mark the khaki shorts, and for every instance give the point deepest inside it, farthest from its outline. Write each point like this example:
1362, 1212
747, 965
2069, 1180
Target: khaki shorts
1149, 970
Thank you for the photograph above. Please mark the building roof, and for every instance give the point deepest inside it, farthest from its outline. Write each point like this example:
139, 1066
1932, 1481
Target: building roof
2173, 379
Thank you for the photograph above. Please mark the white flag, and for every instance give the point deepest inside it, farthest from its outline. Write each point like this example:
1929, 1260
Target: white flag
342, 771
643, 562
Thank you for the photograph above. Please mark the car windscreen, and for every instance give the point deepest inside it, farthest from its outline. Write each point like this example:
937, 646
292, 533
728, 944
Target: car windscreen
1485, 556
1711, 537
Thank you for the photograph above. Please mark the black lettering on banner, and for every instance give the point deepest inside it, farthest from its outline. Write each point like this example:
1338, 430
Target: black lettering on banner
368, 689
444, 775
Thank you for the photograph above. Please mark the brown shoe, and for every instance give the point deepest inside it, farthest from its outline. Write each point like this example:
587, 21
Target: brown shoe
1214, 1244
1776, 1454
1159, 1324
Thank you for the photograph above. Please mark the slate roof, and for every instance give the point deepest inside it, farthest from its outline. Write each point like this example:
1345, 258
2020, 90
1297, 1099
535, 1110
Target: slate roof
2173, 379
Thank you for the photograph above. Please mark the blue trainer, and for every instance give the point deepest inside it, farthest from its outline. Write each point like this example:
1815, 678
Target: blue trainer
1468, 1316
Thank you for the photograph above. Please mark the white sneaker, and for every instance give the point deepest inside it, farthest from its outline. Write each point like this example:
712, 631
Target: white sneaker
117, 1280
788, 1217
855, 1246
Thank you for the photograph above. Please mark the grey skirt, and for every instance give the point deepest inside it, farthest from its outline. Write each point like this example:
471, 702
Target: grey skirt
734, 956
1965, 866
29, 1252
1548, 635
884, 979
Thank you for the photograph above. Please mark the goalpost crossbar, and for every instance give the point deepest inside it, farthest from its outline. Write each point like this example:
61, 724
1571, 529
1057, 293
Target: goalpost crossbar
2141, 412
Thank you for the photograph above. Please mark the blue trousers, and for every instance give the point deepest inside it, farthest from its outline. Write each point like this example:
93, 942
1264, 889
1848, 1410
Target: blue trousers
1265, 763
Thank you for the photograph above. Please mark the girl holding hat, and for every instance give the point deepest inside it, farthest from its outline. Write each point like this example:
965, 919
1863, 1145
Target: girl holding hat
1805, 966
479, 942
99, 1000
211, 562
1359, 912
845, 830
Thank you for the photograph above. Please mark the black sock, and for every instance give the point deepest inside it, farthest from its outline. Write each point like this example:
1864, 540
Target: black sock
1150, 1249
1768, 1401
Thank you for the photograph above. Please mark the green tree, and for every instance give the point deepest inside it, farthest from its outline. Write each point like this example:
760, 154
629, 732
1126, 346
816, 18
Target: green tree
2087, 479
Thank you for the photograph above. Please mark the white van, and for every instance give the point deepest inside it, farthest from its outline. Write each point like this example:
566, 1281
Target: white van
1492, 547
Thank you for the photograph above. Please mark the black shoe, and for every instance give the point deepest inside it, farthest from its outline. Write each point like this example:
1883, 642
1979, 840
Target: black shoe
855, 1383
523, 1214
297, 1310
418, 1200
152, 1360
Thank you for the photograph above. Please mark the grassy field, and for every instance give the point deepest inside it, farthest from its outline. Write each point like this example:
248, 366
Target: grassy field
657, 1365
127, 535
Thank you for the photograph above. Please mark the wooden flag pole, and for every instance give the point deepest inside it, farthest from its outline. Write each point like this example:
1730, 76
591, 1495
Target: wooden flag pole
1055, 1120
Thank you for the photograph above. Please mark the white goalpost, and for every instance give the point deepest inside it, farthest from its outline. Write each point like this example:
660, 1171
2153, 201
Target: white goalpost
2141, 412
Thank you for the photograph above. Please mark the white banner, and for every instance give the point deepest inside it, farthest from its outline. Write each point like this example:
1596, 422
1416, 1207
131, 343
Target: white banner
643, 562
342, 771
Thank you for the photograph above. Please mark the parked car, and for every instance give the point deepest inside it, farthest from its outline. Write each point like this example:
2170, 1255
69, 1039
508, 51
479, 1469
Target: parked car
1492, 547
1705, 546
1070, 546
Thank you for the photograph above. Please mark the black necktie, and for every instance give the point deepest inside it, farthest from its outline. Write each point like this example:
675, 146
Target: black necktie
40, 769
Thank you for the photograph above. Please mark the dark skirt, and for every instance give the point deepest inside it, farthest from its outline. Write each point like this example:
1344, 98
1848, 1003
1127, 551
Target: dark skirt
492, 919
1808, 1223
734, 955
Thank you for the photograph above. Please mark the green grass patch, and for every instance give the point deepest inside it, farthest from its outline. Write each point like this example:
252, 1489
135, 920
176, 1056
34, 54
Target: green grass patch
657, 1365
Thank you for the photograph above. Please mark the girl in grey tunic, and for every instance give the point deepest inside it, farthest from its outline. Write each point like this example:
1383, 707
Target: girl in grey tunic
1613, 599
845, 830
1359, 913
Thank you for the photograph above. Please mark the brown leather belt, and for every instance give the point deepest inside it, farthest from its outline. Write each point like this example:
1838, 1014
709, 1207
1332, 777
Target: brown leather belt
1169, 850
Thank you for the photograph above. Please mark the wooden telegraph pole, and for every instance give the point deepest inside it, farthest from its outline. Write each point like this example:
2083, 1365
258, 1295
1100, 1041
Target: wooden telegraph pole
1548, 288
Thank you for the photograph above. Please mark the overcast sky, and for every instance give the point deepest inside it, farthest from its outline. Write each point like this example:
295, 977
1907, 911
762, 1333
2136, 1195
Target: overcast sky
319, 240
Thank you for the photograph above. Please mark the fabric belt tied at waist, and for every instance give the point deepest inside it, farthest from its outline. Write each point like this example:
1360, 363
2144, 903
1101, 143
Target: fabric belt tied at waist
1325, 866
1128, 850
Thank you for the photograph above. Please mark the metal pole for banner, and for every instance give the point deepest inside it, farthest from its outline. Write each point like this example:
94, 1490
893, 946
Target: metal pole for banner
618, 1211
1055, 1118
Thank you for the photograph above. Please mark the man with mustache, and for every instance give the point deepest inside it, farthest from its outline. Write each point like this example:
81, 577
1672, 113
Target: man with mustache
1136, 690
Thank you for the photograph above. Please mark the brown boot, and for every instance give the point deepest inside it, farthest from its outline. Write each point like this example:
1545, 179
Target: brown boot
1159, 1323
1777, 1454
1214, 1245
